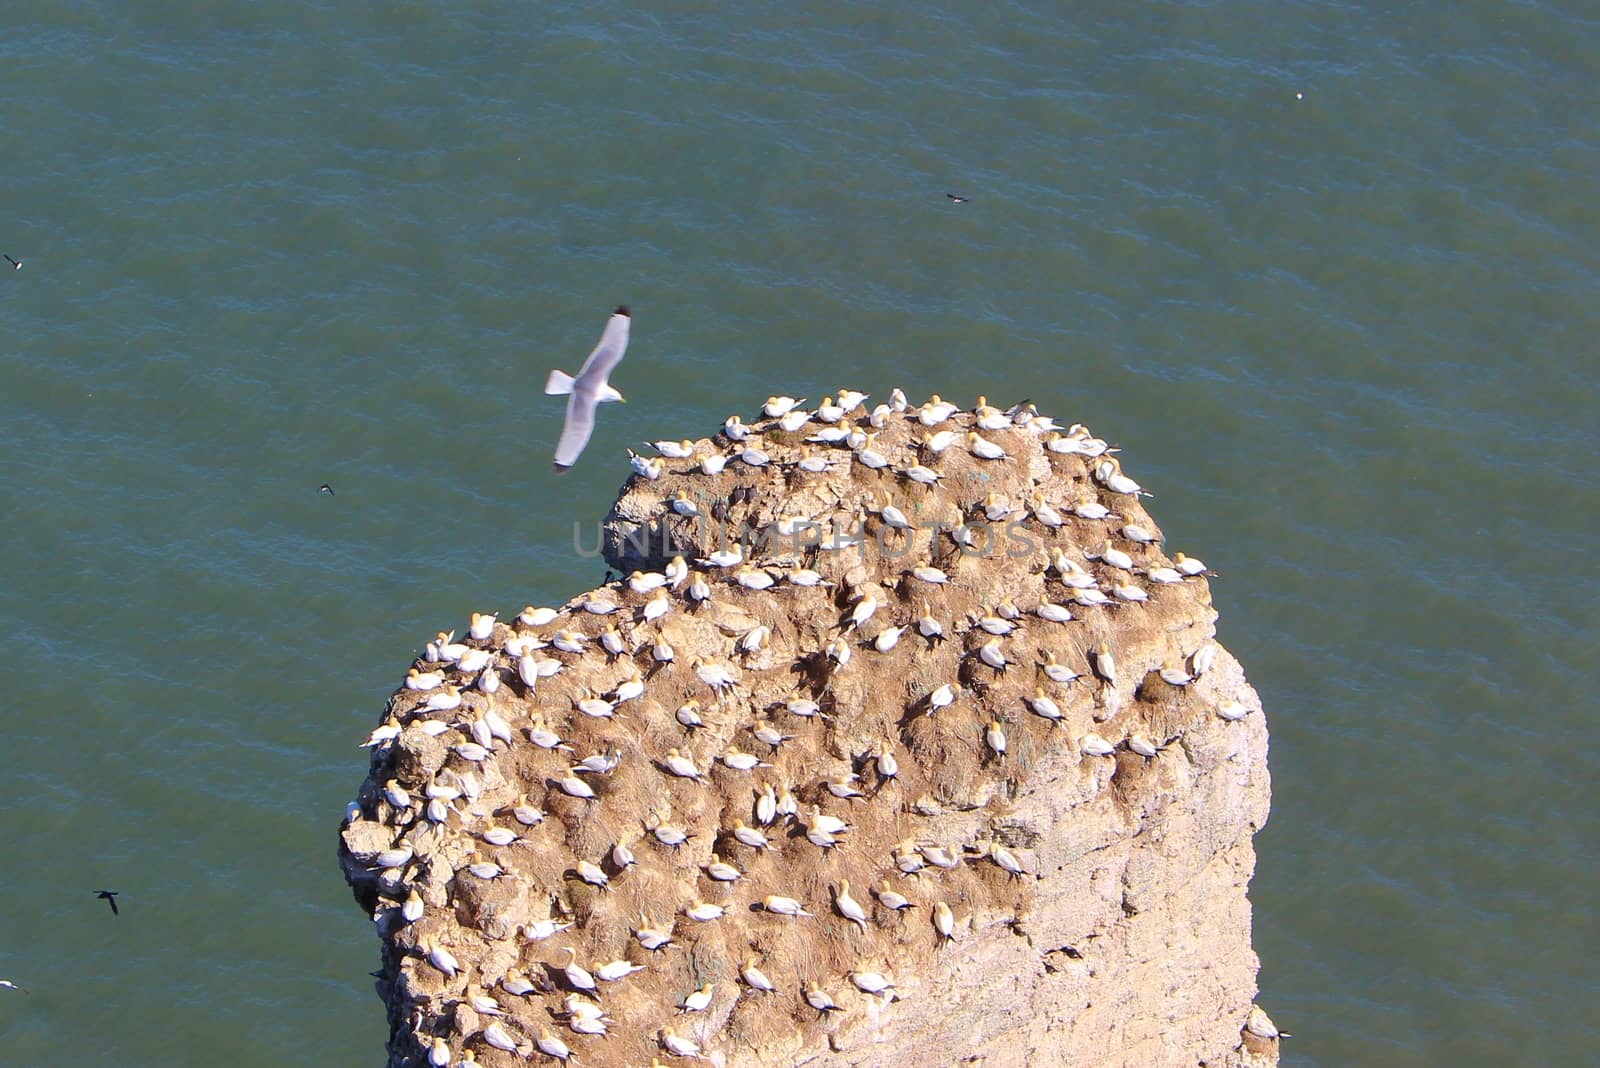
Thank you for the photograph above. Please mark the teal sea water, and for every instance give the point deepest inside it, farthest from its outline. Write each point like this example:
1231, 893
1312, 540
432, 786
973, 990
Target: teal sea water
1326, 272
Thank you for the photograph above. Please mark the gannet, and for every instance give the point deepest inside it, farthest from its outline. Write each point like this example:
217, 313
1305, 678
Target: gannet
996, 624
1258, 1023
1115, 557
779, 905
755, 978
588, 389
768, 734
1143, 745
938, 442
848, 906
654, 938
500, 836
838, 651
803, 707
935, 411
1094, 745
888, 767
907, 859
871, 983
1044, 706
1090, 597
927, 476
527, 814
892, 900
1046, 514
753, 640
648, 467
688, 714
735, 429
1126, 590
990, 653
677, 1045
1163, 574
445, 700
823, 830
471, 751
481, 626
897, 400
832, 435
713, 675
673, 450
1053, 613
616, 970
1108, 473
578, 977
941, 697
669, 835
1203, 660
1105, 662
417, 679
682, 766
1188, 565
944, 921
777, 407
766, 807
994, 736
1086, 507
516, 984
704, 912
439, 1053
721, 871
539, 930
821, 1000
573, 786
1138, 534
595, 707
536, 617
551, 1046
984, 449
1175, 676
1232, 711
844, 786
887, 638
939, 856
699, 589
930, 574
442, 959
545, 738
697, 1000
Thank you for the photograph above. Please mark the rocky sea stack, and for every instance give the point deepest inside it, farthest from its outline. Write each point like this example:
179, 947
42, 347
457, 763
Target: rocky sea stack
909, 747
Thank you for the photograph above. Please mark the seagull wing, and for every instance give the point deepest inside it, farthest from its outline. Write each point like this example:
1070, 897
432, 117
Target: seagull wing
608, 353
586, 389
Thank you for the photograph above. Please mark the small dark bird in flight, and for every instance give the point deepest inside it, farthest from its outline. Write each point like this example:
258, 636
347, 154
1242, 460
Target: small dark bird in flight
16, 265
110, 897
958, 200
325, 488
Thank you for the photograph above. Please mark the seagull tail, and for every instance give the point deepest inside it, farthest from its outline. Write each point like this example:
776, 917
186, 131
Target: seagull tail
558, 384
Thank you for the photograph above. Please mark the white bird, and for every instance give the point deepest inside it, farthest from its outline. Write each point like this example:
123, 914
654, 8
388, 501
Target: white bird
752, 974
551, 1046
892, 900
578, 977
927, 476
983, 448
618, 969
1188, 565
944, 921
871, 983
848, 906
779, 905
1094, 745
994, 736
820, 999
677, 1045
498, 1037
1232, 711
704, 912
7, 984
991, 653
941, 698
1258, 1023
681, 766
588, 389
444, 960
1044, 706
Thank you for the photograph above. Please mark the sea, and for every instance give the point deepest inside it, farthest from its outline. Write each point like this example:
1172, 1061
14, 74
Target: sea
1327, 273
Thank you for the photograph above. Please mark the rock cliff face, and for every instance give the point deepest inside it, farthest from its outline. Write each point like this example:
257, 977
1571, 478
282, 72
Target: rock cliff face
943, 766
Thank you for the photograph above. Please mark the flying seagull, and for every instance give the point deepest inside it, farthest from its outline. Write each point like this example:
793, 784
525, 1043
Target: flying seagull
958, 200
7, 984
110, 897
16, 265
588, 389
325, 488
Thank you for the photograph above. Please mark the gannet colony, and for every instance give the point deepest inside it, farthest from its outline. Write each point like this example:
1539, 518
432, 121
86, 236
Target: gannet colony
903, 741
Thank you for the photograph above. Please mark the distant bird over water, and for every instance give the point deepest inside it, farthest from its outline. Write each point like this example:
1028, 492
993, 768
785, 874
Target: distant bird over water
110, 897
588, 389
325, 488
16, 265
956, 199
7, 984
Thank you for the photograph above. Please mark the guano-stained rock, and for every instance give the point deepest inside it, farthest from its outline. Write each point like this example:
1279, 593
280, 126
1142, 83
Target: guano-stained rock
985, 793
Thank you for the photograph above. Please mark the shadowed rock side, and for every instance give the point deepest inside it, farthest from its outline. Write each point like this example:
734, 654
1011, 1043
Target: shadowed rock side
919, 794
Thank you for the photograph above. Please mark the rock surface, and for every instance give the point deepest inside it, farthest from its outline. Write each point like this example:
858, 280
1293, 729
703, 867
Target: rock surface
1082, 806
